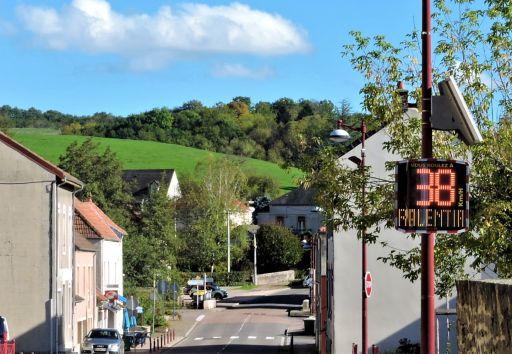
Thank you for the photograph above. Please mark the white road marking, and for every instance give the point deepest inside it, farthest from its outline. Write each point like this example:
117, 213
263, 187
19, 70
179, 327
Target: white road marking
252, 337
198, 338
216, 337
282, 341
269, 338
235, 337
199, 318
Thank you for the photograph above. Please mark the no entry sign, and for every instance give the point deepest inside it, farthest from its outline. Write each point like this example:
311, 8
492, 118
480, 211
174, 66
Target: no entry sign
368, 284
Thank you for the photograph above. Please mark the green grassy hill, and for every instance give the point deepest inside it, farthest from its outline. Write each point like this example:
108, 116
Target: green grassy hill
138, 154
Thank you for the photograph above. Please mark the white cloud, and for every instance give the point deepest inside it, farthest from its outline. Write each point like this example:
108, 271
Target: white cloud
241, 71
149, 41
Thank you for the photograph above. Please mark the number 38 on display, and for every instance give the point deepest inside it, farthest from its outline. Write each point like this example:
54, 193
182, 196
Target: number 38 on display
431, 195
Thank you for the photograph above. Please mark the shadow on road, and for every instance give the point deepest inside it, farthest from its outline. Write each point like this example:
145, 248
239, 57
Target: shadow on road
295, 299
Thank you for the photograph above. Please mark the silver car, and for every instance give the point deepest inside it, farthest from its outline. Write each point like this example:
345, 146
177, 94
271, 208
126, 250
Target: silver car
104, 341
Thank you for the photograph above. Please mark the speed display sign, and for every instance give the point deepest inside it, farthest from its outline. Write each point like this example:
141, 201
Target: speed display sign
432, 196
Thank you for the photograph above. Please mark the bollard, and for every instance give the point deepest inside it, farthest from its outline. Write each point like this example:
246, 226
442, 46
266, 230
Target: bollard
162, 340
354, 348
291, 345
375, 349
150, 346
173, 335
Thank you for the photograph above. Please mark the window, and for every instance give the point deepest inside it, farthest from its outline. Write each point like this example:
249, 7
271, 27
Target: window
301, 223
280, 220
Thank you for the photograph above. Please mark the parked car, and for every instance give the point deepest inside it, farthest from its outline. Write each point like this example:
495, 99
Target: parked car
217, 292
103, 340
4, 330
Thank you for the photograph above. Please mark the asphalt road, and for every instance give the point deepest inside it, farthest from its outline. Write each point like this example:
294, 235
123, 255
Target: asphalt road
242, 331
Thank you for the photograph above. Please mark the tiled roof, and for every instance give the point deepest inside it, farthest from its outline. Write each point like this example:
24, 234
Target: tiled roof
97, 221
48, 166
141, 180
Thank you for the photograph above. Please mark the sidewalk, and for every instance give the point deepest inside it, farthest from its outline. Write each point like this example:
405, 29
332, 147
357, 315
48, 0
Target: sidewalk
189, 318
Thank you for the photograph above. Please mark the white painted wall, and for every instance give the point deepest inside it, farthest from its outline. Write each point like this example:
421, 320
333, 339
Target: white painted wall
174, 187
290, 214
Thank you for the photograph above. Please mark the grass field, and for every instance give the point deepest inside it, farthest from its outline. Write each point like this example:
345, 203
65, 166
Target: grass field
138, 154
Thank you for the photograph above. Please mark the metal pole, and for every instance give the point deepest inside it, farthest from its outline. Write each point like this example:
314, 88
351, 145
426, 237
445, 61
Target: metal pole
363, 239
427, 240
229, 246
255, 261
154, 302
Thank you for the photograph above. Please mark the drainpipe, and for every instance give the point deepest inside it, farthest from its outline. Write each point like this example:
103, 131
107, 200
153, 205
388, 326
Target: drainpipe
57, 334
52, 255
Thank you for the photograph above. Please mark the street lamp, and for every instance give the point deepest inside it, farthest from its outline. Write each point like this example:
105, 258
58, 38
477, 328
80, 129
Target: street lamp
340, 135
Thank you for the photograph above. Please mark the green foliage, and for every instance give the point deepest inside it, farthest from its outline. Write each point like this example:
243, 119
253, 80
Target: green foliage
276, 132
278, 249
258, 186
460, 51
102, 177
151, 249
202, 209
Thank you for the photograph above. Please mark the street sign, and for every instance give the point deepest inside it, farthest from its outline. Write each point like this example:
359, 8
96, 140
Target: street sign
200, 292
431, 195
175, 288
163, 287
368, 280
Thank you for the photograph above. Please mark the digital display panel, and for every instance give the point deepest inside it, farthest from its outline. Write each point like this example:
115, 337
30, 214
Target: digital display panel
432, 196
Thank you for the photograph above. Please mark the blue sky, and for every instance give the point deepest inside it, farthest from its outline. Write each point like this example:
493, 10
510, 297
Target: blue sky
128, 56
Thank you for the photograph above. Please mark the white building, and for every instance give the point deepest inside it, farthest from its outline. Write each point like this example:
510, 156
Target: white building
295, 210
107, 238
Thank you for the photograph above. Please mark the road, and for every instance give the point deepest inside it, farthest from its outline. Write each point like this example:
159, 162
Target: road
243, 330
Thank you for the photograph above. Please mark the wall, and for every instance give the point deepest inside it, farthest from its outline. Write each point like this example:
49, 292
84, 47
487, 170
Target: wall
25, 254
85, 287
484, 311
276, 278
111, 268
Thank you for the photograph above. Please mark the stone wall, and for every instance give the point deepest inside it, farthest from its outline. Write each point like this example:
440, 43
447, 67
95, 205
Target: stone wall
276, 278
484, 316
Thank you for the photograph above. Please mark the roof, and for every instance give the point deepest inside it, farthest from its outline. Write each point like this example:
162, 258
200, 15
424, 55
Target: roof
48, 166
140, 180
94, 223
298, 196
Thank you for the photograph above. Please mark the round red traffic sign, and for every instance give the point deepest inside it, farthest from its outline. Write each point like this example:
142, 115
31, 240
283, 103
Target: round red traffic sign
368, 284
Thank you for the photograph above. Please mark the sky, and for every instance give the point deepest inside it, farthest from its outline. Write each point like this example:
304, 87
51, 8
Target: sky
129, 56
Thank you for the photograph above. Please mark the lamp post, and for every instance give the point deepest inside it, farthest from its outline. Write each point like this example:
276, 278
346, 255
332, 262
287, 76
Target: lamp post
340, 135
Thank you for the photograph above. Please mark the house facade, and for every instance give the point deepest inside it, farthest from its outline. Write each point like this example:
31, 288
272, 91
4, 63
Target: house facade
36, 249
106, 239
295, 210
85, 313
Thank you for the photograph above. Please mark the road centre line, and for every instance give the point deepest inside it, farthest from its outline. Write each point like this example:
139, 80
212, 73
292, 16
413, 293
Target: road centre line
269, 338
252, 337
199, 318
198, 338
238, 332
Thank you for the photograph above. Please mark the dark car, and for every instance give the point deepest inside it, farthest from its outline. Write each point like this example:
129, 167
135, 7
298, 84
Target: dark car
103, 340
4, 330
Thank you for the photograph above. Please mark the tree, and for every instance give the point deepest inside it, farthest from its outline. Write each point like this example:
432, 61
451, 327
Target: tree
151, 250
278, 249
460, 51
102, 176
258, 186
202, 209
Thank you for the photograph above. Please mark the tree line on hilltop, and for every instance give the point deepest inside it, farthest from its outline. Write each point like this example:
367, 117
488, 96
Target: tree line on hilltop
277, 131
